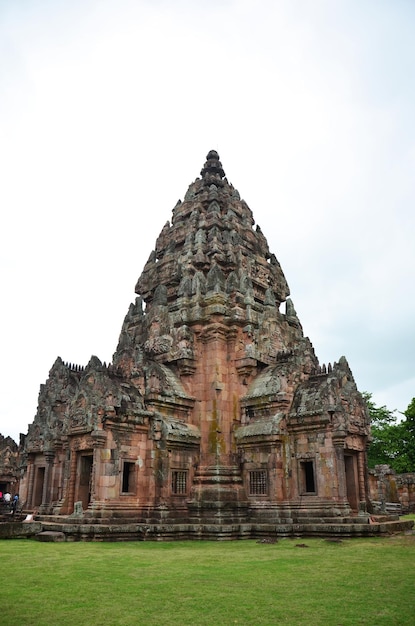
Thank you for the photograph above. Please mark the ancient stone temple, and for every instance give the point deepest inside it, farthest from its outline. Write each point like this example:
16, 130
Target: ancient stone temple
215, 417
9, 465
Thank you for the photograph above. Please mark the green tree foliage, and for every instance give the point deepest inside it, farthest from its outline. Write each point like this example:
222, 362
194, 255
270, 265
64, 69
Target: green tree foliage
382, 449
393, 442
407, 456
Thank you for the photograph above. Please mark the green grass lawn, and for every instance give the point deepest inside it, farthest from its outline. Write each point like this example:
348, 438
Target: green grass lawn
357, 581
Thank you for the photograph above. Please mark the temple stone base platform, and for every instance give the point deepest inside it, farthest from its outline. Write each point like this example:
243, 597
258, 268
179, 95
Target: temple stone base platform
19, 530
118, 530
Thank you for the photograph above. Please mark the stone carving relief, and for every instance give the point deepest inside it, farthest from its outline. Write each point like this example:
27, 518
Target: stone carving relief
183, 342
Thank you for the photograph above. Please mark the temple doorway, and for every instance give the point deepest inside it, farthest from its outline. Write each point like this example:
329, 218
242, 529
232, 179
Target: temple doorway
352, 484
38, 486
84, 475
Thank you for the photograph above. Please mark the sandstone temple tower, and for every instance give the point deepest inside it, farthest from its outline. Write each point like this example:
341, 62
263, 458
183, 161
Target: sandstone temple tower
215, 412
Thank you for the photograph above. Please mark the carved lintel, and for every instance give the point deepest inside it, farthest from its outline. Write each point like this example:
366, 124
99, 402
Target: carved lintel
213, 332
99, 438
245, 367
49, 456
339, 437
187, 367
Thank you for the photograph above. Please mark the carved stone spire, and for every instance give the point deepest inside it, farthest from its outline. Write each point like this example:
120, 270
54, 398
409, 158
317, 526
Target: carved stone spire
213, 167
210, 261
212, 231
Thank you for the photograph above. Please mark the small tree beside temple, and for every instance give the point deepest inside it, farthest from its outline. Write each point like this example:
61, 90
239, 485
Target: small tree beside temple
393, 441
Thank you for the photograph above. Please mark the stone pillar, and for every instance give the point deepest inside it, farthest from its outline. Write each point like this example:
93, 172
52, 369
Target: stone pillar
338, 442
368, 497
57, 473
280, 486
361, 470
72, 479
49, 456
65, 472
99, 438
30, 481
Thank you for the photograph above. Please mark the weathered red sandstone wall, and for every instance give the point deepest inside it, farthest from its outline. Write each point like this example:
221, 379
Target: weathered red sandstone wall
386, 486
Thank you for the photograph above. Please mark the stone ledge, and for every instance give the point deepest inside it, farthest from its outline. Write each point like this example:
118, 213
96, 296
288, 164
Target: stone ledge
219, 532
51, 535
19, 530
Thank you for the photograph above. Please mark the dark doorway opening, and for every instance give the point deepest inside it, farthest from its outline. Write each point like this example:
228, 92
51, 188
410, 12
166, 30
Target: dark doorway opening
38, 487
308, 483
85, 462
128, 483
350, 465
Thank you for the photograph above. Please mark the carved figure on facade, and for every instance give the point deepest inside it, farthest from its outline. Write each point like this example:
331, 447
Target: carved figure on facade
183, 342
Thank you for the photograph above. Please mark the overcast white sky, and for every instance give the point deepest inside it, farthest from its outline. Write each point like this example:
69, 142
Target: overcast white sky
107, 111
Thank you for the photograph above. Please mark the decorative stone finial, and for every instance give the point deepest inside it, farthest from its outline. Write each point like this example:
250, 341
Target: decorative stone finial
212, 166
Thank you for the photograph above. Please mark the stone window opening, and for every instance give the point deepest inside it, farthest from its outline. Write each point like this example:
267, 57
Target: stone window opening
258, 482
179, 482
128, 477
307, 477
249, 412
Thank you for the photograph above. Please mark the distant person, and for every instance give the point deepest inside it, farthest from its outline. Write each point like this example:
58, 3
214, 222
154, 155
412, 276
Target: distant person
7, 497
14, 503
